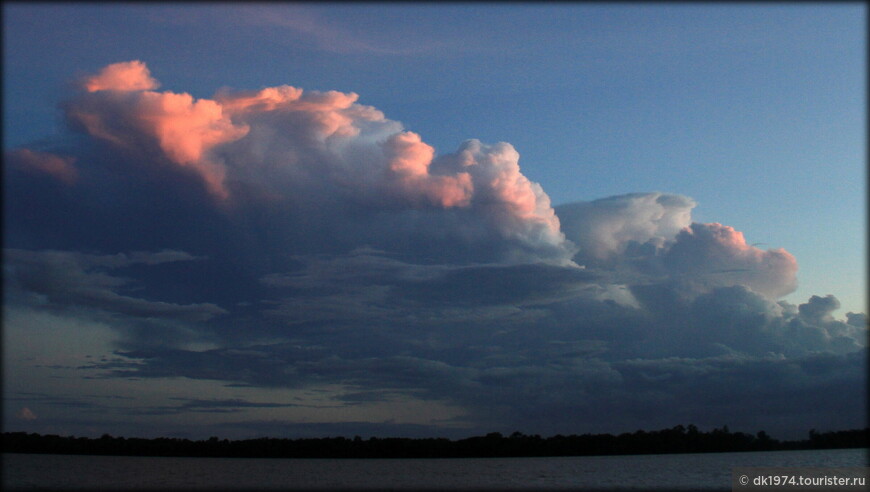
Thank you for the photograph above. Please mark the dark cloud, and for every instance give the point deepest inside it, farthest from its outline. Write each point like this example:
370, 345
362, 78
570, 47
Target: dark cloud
74, 280
696, 362
198, 405
29, 161
819, 308
90, 403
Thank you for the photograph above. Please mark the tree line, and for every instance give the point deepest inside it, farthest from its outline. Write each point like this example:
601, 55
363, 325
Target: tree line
678, 439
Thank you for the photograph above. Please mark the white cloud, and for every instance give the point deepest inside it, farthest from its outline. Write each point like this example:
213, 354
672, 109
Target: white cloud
606, 228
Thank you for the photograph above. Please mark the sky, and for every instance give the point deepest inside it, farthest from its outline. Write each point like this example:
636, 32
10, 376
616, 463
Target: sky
419, 220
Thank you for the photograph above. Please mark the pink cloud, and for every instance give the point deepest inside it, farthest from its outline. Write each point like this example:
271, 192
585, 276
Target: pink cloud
124, 76
719, 255
25, 414
268, 99
326, 114
409, 159
58, 167
184, 129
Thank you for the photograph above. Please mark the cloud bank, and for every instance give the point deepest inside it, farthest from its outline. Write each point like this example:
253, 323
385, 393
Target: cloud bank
299, 240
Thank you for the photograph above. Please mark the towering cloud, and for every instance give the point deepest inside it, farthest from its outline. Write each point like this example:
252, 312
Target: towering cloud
519, 208
281, 143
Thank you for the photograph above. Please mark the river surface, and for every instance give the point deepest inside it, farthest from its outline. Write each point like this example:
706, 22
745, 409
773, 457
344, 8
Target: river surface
709, 471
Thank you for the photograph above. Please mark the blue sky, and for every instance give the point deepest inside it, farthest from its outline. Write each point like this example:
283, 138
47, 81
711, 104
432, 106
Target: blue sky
267, 283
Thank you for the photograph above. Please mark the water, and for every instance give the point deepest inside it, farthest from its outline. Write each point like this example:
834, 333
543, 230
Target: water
672, 472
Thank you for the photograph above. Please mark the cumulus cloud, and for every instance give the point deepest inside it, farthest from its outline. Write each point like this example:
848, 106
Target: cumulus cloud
652, 236
814, 326
139, 120
819, 308
612, 227
125, 76
716, 252
409, 161
519, 208
280, 143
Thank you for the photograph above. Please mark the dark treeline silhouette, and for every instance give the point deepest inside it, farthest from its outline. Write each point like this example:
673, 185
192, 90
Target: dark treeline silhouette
678, 439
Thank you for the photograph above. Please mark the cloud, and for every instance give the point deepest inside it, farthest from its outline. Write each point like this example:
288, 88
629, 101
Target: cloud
760, 392
56, 166
409, 161
198, 405
624, 225
310, 152
291, 240
814, 326
721, 255
74, 280
124, 76
643, 237
819, 308
326, 148
546, 387
518, 207
512, 343
140, 120
326, 34
26, 414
